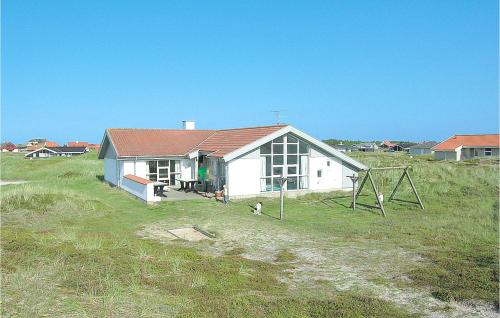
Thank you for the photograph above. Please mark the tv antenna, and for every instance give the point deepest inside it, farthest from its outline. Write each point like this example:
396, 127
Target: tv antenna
277, 114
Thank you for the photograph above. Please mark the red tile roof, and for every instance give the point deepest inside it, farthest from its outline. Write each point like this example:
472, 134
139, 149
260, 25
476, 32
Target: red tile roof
137, 179
51, 144
93, 146
387, 144
492, 140
171, 142
223, 142
77, 144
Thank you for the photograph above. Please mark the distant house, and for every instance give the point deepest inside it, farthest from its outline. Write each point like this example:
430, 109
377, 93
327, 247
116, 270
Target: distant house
365, 147
405, 146
423, 148
77, 144
34, 144
342, 148
89, 146
386, 145
51, 144
47, 152
93, 147
9, 147
460, 147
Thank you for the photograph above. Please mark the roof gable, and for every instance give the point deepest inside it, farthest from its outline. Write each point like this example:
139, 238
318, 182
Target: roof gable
289, 129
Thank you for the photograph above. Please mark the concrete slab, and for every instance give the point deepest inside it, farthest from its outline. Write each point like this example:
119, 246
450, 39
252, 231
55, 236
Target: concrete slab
189, 234
175, 195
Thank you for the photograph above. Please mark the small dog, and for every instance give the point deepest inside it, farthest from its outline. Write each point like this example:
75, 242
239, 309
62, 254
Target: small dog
380, 198
258, 208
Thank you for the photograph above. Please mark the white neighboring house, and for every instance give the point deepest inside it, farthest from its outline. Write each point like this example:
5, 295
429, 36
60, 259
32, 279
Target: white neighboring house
249, 161
460, 147
47, 152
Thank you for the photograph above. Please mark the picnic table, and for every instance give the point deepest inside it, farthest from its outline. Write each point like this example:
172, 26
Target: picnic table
159, 188
187, 184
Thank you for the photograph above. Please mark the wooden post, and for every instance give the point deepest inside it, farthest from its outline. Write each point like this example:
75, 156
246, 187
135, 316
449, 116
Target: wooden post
362, 184
376, 193
282, 183
281, 202
354, 178
414, 190
397, 185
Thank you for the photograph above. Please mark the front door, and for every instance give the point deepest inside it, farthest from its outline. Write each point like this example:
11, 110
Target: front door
164, 171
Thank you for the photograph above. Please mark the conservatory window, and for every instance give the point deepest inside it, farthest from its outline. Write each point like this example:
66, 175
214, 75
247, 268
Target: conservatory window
286, 156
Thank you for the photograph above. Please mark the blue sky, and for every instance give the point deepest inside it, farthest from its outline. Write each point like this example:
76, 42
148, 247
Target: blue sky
370, 70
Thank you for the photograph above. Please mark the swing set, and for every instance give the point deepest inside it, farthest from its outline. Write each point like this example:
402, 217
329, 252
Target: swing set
369, 176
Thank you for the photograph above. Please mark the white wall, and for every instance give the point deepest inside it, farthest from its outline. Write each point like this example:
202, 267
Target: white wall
141, 168
110, 166
143, 191
186, 168
346, 172
126, 167
446, 155
243, 175
331, 176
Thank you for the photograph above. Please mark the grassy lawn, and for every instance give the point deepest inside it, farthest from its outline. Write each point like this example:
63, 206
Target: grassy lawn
73, 246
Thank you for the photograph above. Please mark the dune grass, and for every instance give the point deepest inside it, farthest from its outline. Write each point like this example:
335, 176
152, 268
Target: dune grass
70, 245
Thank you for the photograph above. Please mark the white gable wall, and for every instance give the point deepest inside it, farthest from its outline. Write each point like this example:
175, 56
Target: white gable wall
331, 176
243, 175
347, 171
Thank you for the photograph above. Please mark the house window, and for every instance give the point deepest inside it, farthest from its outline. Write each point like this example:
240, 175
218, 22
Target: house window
286, 156
476, 152
163, 170
320, 173
487, 152
328, 163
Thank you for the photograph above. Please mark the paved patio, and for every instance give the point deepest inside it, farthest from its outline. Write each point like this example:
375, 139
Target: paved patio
175, 195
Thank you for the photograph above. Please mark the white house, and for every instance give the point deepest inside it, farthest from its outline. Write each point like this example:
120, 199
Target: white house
423, 148
249, 161
47, 152
460, 147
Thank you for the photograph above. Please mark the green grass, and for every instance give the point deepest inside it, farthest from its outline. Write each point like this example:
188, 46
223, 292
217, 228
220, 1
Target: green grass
70, 246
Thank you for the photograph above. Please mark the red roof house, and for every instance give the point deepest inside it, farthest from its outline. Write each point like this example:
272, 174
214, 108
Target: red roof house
51, 144
459, 147
8, 146
77, 144
248, 161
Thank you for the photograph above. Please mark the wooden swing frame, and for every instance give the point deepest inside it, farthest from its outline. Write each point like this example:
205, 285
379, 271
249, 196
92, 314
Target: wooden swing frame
380, 206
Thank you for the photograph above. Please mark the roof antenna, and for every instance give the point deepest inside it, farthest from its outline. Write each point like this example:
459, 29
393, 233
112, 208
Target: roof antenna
277, 114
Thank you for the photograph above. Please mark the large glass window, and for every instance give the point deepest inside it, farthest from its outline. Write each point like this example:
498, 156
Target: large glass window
286, 156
